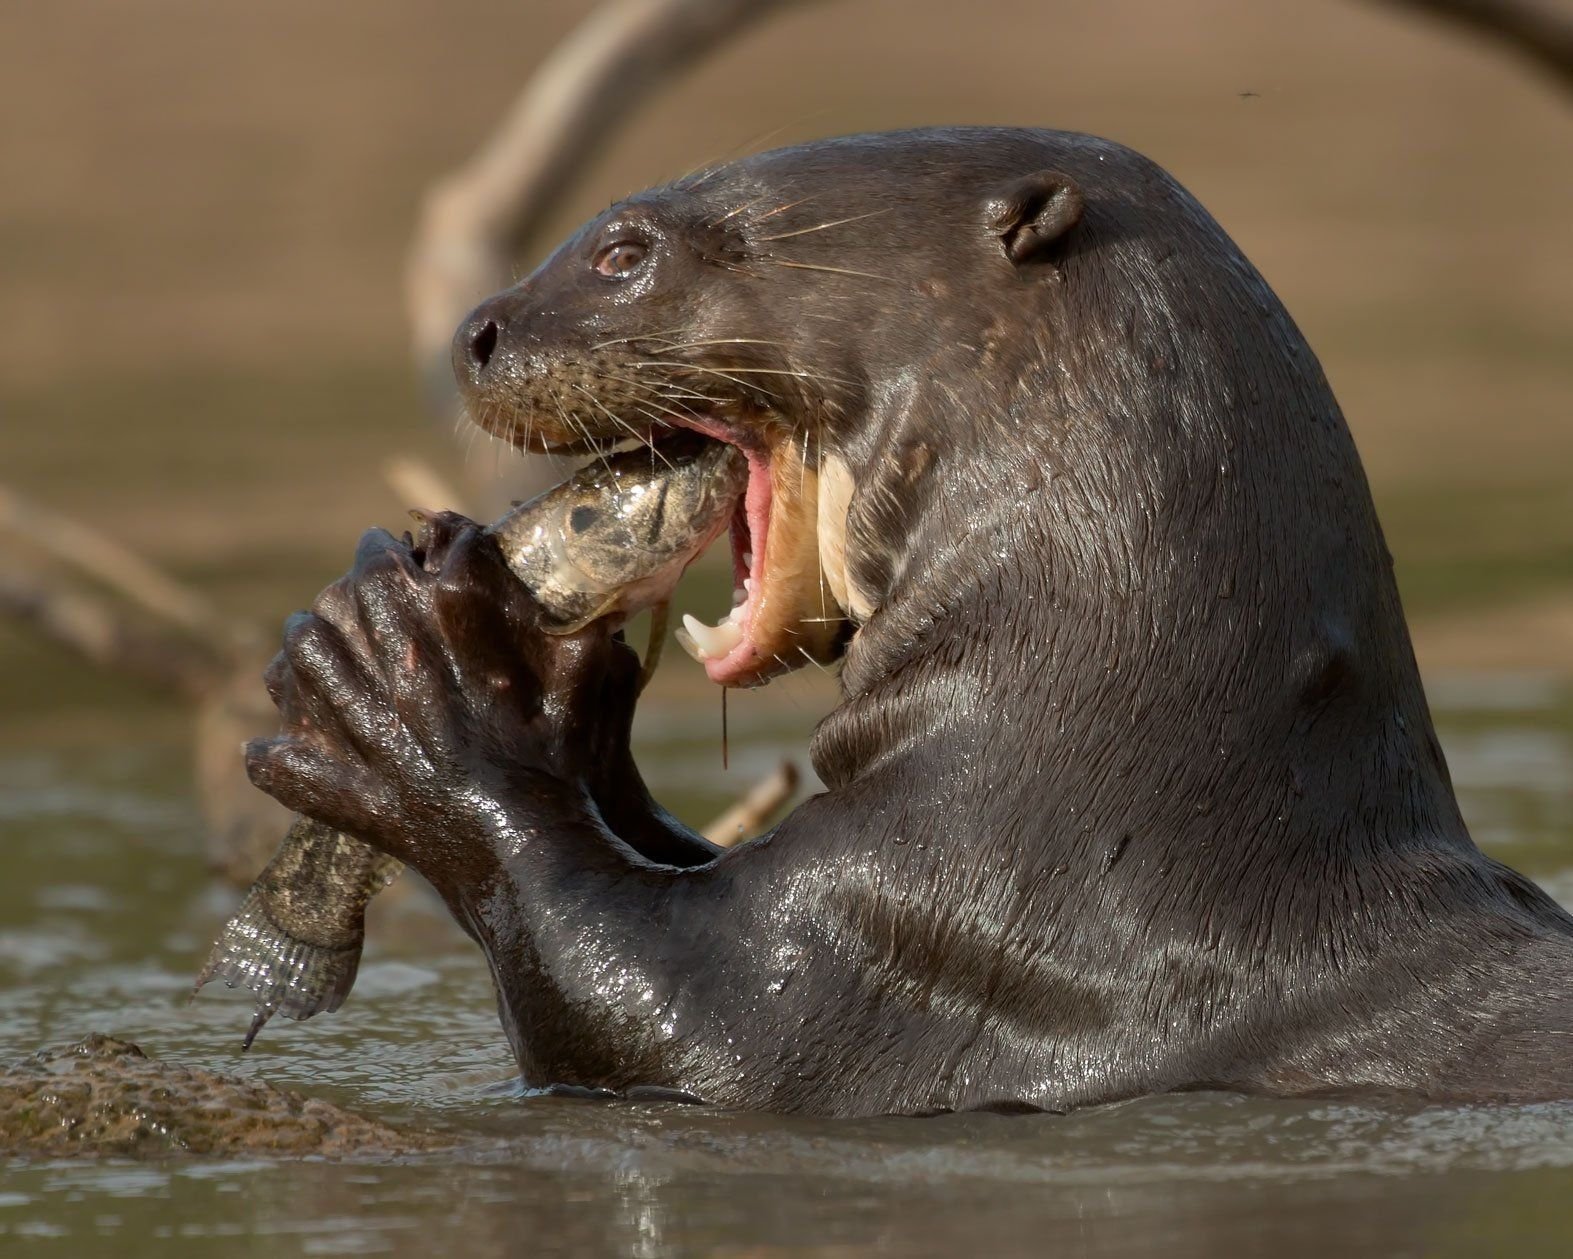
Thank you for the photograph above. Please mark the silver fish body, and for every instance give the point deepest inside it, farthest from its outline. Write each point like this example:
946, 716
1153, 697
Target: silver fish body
614, 538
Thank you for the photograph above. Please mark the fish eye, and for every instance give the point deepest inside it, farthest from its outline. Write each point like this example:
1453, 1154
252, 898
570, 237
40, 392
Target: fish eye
620, 260
582, 518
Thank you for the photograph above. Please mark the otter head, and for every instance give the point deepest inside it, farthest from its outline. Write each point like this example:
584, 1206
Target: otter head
793, 304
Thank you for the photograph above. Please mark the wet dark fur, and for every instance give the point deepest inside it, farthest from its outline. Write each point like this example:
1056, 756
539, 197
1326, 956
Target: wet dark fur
1134, 787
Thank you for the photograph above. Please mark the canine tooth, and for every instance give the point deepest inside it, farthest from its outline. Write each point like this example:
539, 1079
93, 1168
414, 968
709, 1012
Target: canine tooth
713, 641
689, 645
739, 593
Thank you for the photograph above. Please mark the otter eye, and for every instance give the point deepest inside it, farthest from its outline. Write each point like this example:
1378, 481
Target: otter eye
619, 261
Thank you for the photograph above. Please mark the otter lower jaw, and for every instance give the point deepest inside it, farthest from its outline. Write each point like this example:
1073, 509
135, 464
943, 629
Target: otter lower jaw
782, 612
727, 651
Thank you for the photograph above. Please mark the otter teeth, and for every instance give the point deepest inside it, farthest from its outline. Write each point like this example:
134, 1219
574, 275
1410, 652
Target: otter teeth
709, 642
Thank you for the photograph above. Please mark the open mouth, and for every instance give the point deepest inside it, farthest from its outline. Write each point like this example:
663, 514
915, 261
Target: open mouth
783, 614
784, 611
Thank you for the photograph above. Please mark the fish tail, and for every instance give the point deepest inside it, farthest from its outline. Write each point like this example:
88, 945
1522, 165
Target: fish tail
287, 975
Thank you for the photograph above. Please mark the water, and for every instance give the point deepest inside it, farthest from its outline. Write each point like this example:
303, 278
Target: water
106, 913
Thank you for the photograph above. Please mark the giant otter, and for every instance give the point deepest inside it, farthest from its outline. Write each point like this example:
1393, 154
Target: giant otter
1133, 787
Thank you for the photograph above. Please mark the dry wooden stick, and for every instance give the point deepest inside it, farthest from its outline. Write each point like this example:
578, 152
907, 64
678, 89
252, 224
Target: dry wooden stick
99, 631
1539, 30
90, 552
755, 808
417, 484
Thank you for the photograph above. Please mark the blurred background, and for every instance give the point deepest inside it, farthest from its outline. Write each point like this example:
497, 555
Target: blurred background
205, 215
206, 210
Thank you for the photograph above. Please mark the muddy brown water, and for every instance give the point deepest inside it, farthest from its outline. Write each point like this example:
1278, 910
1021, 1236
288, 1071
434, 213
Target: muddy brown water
105, 913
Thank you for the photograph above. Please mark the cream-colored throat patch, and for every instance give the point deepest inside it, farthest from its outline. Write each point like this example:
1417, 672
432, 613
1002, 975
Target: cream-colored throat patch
836, 488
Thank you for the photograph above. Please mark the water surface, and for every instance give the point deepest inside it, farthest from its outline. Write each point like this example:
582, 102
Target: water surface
106, 912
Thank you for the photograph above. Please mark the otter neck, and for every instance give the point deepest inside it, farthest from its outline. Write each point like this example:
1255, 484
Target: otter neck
1025, 699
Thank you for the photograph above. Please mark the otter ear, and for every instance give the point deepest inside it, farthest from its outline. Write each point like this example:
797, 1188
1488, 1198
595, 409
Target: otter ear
1031, 213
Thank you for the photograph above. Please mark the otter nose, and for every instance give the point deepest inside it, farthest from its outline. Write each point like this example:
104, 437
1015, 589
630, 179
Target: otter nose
475, 344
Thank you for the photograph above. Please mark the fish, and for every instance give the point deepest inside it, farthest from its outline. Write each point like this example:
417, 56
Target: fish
610, 541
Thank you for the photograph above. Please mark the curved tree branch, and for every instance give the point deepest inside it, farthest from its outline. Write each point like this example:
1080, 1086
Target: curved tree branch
474, 221
1539, 30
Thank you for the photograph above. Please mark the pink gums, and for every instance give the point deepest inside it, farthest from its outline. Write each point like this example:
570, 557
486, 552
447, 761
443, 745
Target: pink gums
749, 531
